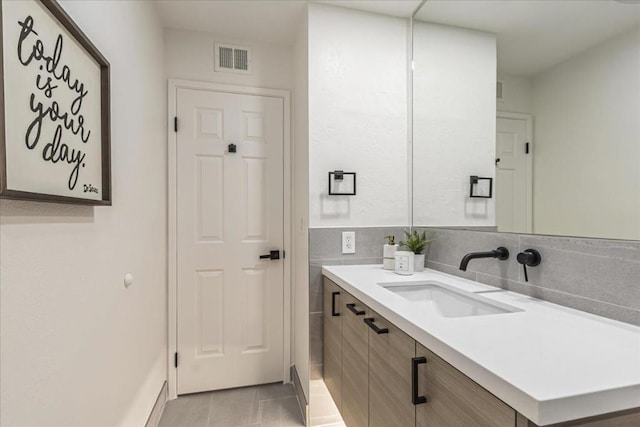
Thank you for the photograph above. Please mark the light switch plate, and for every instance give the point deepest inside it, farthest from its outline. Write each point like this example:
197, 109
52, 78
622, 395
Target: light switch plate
348, 242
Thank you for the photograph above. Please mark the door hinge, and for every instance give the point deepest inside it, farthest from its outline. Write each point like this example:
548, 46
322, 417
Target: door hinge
526, 148
175, 359
284, 254
175, 124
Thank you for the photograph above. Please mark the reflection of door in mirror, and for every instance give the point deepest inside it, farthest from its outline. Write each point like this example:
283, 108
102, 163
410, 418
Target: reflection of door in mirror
513, 172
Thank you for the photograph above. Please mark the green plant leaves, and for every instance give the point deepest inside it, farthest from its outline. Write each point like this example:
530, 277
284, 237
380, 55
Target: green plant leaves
416, 242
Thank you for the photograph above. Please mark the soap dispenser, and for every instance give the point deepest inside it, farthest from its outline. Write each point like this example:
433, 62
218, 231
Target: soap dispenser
389, 253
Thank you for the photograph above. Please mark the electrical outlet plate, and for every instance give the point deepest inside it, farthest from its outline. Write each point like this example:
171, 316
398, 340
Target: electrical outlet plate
348, 242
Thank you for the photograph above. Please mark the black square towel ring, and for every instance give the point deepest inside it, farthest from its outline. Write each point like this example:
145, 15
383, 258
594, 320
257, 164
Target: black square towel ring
480, 187
342, 183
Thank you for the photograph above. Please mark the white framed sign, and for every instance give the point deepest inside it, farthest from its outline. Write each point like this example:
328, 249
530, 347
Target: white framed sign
54, 109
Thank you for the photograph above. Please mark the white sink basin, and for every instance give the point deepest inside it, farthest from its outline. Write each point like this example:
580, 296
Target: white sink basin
446, 300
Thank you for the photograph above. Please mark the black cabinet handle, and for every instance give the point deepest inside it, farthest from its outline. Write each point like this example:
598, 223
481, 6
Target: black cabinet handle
333, 303
415, 399
352, 308
369, 321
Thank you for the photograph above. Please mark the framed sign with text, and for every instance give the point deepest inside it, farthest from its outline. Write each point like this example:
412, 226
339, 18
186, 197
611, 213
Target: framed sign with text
54, 108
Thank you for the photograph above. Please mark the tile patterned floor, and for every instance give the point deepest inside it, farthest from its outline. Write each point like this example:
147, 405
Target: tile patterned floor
270, 405
322, 410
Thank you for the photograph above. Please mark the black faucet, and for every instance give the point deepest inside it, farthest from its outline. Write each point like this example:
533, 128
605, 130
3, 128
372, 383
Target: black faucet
501, 253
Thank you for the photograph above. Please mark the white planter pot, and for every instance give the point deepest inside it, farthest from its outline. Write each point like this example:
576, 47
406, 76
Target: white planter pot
418, 263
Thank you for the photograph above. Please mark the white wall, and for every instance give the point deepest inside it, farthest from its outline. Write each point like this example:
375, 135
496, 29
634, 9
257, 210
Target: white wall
454, 125
300, 214
587, 151
190, 56
77, 348
516, 94
357, 116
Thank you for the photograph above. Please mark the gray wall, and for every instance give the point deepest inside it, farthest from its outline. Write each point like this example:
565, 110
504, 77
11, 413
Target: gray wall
594, 275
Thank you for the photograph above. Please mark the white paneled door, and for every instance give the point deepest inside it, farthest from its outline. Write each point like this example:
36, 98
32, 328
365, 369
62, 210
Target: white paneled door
229, 213
513, 173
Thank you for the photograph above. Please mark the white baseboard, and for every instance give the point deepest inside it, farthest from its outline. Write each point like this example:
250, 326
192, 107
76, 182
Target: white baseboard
302, 399
158, 408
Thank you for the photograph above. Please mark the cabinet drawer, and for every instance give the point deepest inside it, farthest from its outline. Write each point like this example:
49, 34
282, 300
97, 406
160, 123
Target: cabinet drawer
390, 355
332, 348
355, 360
453, 399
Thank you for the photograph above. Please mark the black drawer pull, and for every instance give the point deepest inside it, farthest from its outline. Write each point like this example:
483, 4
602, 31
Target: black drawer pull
369, 321
333, 303
352, 308
415, 399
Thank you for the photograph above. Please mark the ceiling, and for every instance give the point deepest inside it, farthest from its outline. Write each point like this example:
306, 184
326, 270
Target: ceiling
271, 21
397, 8
534, 35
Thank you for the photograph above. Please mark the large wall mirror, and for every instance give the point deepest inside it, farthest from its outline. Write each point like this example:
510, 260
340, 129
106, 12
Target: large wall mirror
543, 97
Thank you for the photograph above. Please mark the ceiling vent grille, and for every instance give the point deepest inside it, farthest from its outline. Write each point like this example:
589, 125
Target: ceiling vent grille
232, 59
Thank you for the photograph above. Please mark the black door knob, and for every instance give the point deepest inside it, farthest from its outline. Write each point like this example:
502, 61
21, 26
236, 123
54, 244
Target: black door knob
271, 255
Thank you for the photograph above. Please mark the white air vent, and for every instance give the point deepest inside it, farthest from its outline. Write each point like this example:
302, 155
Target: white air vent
499, 90
232, 59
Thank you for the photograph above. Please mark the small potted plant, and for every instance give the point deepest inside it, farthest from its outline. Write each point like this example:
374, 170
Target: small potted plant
417, 243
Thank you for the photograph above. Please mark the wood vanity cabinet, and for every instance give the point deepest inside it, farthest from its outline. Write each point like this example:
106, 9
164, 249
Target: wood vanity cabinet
628, 418
355, 362
332, 348
379, 376
371, 368
453, 399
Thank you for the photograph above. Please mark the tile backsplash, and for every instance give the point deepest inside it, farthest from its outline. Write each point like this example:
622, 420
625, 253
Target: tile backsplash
598, 276
325, 248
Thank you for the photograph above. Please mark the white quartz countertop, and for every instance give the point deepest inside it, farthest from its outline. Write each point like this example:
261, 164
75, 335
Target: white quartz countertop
549, 362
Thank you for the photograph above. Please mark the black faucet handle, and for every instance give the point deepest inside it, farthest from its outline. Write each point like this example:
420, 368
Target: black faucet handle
529, 257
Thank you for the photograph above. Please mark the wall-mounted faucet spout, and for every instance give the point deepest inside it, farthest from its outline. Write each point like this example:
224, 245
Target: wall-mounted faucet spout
501, 253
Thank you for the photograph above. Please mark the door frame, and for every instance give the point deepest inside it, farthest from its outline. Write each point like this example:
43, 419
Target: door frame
529, 163
172, 264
